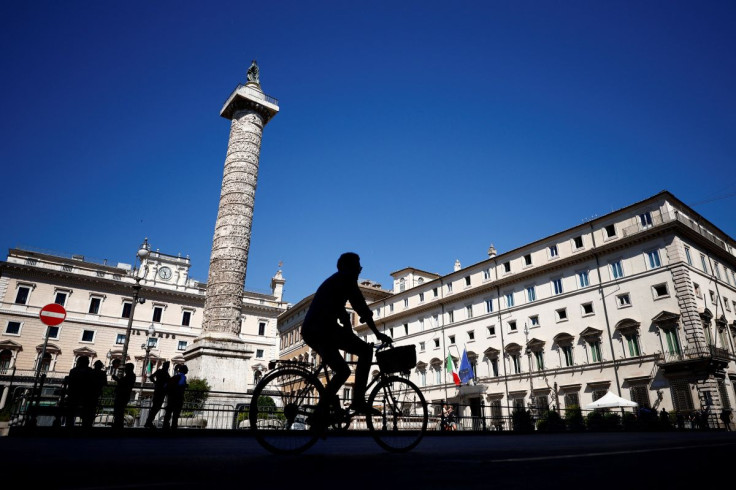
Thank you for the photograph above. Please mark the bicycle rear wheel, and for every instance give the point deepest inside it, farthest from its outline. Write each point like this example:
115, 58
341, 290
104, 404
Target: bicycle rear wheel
280, 409
403, 419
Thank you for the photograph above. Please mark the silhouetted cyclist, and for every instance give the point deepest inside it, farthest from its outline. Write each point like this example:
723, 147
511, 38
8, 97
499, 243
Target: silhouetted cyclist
327, 330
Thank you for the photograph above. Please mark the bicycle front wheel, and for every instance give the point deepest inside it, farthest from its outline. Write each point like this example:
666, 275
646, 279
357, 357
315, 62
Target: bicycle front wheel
280, 409
403, 419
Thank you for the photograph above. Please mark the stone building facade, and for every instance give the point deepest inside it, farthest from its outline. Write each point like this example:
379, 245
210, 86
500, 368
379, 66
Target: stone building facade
640, 302
98, 296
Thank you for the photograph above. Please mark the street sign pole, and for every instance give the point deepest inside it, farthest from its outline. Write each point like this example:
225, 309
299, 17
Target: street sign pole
51, 315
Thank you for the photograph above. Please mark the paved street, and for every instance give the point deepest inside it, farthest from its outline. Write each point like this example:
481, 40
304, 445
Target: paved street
226, 460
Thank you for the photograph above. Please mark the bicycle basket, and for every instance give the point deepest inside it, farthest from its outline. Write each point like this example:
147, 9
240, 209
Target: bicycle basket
397, 359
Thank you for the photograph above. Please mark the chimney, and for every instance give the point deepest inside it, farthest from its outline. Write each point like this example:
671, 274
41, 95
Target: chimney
491, 251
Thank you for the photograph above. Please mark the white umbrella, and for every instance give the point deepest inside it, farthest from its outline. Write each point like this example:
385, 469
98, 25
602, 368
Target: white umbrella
609, 400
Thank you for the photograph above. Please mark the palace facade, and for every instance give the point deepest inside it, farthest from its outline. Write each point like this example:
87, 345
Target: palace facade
98, 297
640, 302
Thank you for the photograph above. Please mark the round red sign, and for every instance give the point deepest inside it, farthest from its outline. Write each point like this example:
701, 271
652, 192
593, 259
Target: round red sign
52, 314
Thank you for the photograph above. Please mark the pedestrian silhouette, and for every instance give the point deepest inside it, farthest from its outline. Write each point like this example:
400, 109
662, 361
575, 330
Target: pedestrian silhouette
79, 391
160, 380
99, 381
122, 394
177, 385
327, 329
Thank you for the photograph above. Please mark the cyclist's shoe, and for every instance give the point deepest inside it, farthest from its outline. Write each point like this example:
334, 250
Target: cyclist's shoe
364, 409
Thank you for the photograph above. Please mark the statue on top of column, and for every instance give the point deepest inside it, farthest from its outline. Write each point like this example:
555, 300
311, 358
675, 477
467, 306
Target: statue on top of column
253, 72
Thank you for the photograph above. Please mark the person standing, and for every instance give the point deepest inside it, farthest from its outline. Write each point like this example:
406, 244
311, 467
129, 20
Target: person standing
160, 381
79, 386
177, 385
99, 381
122, 394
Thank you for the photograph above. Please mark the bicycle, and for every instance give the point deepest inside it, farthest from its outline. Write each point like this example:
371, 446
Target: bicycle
284, 400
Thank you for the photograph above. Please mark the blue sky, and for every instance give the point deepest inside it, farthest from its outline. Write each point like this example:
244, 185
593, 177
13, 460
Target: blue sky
413, 133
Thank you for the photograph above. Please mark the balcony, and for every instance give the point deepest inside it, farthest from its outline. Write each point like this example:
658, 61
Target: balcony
696, 359
659, 219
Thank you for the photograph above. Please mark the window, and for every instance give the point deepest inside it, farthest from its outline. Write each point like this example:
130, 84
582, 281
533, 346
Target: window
120, 339
595, 351
467, 281
494, 367
259, 353
509, 300
531, 294
726, 304
452, 339
557, 285
402, 284
449, 288
406, 329
13, 328
587, 308
422, 379
712, 297
152, 342
436, 343
528, 259
578, 241
60, 298
534, 320
406, 302
717, 268
516, 364
261, 328
687, 256
435, 292
471, 334
553, 251
561, 314
21, 297
450, 316
489, 306
583, 279
54, 332
673, 343
512, 325
486, 274
567, 355
469, 311
539, 356
491, 330
186, 318
571, 400
421, 324
127, 307
660, 291
623, 300
421, 346
507, 266
421, 297
645, 219
640, 395
704, 263
391, 308
88, 336
632, 341
610, 231
653, 259
696, 286
617, 270
157, 312
94, 305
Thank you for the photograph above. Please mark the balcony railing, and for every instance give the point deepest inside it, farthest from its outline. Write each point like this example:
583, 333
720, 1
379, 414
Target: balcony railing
698, 353
659, 219
256, 94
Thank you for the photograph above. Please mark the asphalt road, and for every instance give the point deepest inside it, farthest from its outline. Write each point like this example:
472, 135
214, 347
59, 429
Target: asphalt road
212, 461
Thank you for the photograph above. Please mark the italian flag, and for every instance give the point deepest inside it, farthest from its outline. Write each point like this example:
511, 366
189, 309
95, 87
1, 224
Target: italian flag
451, 369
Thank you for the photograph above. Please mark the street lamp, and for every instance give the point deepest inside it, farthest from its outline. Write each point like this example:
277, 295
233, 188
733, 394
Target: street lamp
147, 345
143, 252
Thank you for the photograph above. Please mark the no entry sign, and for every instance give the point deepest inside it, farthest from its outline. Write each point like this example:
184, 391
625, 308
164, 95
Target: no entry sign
52, 314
